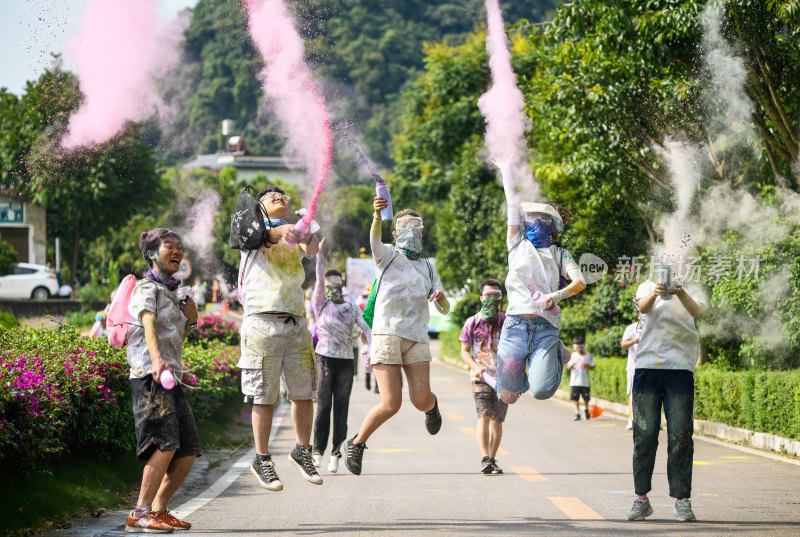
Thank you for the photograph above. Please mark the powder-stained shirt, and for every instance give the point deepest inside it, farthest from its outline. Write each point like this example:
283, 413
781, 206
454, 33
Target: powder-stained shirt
170, 325
335, 324
272, 280
534, 269
484, 336
669, 338
401, 305
579, 372
632, 331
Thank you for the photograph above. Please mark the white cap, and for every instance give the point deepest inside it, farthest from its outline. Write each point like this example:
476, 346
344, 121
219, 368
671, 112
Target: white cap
544, 208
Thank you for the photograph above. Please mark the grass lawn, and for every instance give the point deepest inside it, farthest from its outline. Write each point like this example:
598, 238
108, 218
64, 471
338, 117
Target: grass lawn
82, 484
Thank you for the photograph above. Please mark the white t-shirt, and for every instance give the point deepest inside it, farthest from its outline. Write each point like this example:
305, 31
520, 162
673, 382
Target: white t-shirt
170, 326
669, 338
401, 306
579, 374
272, 280
632, 331
534, 269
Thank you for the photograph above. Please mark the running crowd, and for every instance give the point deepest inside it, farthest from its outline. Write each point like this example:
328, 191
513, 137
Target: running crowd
509, 350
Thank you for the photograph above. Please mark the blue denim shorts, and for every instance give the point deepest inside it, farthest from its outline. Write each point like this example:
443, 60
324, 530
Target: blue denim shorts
529, 357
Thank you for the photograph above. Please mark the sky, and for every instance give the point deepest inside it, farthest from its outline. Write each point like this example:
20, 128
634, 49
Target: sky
31, 29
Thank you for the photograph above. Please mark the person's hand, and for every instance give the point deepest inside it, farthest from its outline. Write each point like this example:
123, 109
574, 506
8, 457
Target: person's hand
294, 236
321, 243
661, 289
550, 304
437, 296
379, 204
477, 372
635, 340
677, 289
189, 310
159, 366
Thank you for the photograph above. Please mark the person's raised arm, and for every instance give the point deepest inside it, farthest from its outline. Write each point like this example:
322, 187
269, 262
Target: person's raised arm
688, 302
378, 248
319, 288
512, 203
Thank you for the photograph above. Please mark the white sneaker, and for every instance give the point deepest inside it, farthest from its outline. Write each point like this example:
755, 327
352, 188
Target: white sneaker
316, 458
333, 465
630, 424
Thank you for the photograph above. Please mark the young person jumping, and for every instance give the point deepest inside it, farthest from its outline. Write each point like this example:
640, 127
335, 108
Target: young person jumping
406, 282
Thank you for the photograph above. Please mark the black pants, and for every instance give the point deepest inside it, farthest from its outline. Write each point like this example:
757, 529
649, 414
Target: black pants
334, 384
674, 388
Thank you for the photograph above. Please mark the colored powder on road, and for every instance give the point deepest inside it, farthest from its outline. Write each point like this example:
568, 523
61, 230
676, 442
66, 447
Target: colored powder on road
503, 107
119, 50
291, 92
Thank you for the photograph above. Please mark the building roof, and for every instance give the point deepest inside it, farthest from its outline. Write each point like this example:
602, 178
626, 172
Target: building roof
218, 161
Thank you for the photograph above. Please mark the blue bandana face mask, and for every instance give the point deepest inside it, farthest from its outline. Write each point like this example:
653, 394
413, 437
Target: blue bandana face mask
539, 233
275, 222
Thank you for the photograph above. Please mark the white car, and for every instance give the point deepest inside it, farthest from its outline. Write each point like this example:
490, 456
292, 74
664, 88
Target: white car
29, 281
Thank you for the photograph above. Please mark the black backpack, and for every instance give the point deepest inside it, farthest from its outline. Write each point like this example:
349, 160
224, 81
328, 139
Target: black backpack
248, 231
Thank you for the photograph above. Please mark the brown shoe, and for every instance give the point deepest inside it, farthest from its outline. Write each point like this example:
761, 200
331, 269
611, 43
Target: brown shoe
167, 518
147, 523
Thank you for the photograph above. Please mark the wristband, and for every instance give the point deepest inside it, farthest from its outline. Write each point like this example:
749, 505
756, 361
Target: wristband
376, 216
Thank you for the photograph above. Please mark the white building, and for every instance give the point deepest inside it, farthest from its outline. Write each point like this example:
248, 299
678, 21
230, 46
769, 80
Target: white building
24, 226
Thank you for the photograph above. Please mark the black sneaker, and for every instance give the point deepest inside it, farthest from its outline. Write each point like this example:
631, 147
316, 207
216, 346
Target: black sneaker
433, 418
301, 458
486, 466
353, 455
264, 469
495, 468
586, 413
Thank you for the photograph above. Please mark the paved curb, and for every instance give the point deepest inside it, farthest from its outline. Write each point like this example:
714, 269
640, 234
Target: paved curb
737, 435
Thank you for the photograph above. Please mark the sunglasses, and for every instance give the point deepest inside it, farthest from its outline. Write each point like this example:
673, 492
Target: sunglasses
276, 196
409, 221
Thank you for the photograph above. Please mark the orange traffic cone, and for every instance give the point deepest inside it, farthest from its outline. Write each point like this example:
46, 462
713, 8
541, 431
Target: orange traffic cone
595, 411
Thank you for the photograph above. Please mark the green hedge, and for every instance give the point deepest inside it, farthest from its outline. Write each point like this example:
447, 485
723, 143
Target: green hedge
61, 393
762, 401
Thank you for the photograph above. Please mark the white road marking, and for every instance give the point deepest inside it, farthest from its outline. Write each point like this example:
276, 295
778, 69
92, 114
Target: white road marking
225, 480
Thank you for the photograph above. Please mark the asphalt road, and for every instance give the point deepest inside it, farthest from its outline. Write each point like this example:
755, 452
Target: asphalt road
561, 478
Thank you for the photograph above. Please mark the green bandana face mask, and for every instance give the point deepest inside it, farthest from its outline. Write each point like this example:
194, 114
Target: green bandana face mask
334, 294
490, 308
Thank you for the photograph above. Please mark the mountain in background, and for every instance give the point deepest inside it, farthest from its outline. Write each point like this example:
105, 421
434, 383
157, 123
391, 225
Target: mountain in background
366, 51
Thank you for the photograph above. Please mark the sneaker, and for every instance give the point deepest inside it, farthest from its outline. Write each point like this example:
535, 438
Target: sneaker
683, 510
333, 465
586, 413
316, 458
433, 418
166, 517
629, 427
640, 510
486, 466
263, 468
354, 452
576, 417
301, 458
495, 468
147, 523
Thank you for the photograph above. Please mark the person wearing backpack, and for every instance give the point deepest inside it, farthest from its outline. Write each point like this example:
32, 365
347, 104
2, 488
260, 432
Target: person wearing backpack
166, 434
406, 282
530, 355
275, 340
335, 320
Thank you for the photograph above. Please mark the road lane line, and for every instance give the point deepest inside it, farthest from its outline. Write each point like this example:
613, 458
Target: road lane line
501, 451
576, 509
528, 474
455, 416
469, 431
220, 485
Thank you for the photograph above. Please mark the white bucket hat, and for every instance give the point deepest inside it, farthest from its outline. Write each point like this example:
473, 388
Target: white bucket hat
544, 209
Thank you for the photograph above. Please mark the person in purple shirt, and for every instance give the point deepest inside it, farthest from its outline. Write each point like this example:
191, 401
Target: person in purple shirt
479, 340
335, 319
